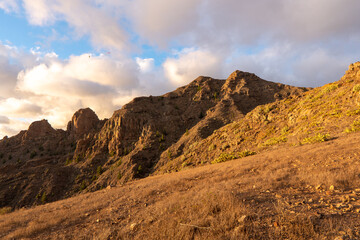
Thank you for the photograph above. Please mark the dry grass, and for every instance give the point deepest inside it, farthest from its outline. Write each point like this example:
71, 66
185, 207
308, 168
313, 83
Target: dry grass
273, 195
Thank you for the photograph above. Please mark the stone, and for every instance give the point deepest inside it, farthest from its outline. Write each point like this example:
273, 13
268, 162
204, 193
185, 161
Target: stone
39, 129
242, 219
133, 226
83, 121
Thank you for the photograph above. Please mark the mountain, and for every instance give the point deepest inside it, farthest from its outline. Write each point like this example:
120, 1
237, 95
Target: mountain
241, 158
43, 164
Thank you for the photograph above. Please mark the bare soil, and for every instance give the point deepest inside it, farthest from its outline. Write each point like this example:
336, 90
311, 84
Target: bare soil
302, 192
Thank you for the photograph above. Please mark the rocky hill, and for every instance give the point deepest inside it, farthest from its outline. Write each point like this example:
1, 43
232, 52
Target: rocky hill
318, 115
43, 164
302, 183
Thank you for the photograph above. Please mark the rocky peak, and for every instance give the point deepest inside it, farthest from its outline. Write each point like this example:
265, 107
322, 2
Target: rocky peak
241, 83
83, 121
39, 129
240, 74
353, 72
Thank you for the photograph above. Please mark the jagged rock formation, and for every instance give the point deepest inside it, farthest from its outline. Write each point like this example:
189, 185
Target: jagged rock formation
39, 129
146, 133
84, 121
139, 139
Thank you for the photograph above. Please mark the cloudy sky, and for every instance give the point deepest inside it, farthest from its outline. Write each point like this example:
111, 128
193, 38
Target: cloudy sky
57, 56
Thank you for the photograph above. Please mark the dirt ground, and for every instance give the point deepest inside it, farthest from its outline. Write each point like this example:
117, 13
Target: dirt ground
303, 192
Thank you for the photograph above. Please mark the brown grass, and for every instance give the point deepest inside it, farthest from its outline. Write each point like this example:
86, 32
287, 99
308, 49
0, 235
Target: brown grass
273, 195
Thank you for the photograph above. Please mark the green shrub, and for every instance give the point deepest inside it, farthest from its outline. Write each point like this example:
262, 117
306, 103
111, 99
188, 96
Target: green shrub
354, 127
169, 155
43, 198
274, 141
212, 147
119, 176
230, 156
33, 154
356, 88
68, 161
5, 210
83, 185
320, 137
330, 88
246, 153
224, 157
77, 158
99, 170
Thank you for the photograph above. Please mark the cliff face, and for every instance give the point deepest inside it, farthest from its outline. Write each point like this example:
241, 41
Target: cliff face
149, 131
139, 139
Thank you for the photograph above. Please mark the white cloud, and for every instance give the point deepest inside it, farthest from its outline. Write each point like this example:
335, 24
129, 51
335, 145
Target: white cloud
4, 120
159, 21
86, 17
39, 12
9, 5
19, 108
191, 63
145, 64
300, 42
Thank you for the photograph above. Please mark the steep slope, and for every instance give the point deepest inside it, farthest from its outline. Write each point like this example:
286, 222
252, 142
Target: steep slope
318, 115
32, 163
135, 141
43, 164
286, 193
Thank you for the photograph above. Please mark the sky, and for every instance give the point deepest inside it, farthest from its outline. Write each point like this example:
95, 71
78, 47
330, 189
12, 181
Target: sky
57, 56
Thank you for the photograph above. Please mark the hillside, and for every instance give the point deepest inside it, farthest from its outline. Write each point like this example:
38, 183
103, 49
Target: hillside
318, 115
286, 193
294, 172
43, 164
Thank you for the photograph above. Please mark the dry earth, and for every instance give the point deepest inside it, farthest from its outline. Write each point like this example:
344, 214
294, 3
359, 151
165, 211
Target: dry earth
302, 192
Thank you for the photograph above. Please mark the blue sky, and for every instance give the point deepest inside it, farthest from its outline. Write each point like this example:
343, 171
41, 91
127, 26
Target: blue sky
59, 56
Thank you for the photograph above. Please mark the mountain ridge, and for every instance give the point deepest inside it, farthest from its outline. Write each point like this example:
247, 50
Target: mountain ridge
95, 153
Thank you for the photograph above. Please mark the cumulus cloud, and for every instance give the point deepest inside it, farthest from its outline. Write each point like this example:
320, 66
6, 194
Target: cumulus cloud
145, 64
191, 63
85, 17
300, 42
9, 5
159, 21
85, 78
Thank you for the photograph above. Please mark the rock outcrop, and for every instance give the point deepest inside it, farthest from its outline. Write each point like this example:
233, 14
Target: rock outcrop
39, 129
83, 121
140, 138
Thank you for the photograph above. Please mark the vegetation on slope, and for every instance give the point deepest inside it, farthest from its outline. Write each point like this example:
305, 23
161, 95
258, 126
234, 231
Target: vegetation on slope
318, 115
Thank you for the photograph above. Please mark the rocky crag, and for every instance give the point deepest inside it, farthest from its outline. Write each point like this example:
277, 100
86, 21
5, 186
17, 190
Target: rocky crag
148, 135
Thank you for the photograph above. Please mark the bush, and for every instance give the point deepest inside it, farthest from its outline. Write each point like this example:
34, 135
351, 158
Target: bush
246, 153
5, 210
99, 170
356, 88
68, 161
83, 185
354, 127
274, 141
224, 157
43, 198
169, 155
317, 138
